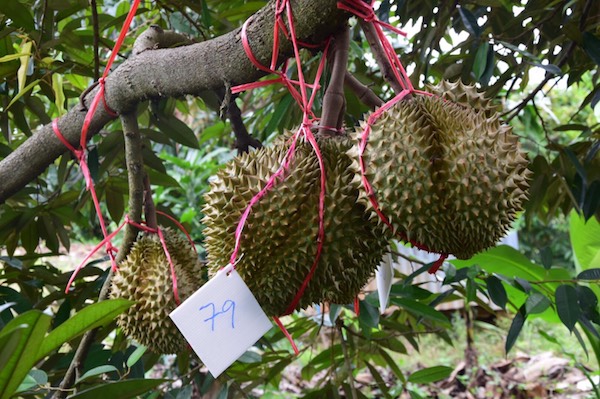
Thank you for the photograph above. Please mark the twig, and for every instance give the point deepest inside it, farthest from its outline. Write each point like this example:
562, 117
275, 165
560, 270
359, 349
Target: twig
566, 55
379, 54
408, 258
340, 324
363, 92
228, 108
96, 27
133, 153
334, 101
149, 208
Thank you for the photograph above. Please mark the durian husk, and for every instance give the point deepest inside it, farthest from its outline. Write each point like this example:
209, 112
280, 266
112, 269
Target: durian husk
279, 240
445, 170
145, 277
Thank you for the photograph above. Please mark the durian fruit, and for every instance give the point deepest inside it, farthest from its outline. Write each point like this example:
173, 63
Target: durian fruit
444, 170
279, 240
145, 277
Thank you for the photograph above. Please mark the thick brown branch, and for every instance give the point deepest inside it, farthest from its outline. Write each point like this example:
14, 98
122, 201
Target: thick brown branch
171, 72
334, 101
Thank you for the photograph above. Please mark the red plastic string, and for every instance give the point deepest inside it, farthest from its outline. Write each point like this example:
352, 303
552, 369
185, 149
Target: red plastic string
81, 156
365, 12
321, 233
287, 334
102, 243
142, 227
171, 266
270, 183
357, 306
181, 228
305, 102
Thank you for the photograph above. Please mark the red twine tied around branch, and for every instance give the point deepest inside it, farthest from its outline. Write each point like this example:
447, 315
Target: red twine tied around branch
81, 156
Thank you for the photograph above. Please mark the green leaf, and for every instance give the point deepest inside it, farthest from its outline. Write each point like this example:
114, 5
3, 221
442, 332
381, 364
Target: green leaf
430, 374
497, 291
591, 45
32, 379
421, 310
392, 364
59, 94
23, 357
515, 329
88, 318
115, 203
589, 274
379, 380
536, 303
119, 390
480, 63
178, 131
22, 92
507, 261
368, 315
588, 301
25, 59
161, 179
136, 355
11, 57
567, 305
469, 21
107, 368
585, 240
547, 257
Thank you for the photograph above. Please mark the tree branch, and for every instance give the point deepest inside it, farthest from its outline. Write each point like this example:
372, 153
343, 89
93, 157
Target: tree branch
334, 100
379, 54
364, 93
172, 72
135, 171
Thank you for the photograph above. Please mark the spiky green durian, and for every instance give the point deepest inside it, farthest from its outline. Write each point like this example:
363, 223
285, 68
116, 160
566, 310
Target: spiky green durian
145, 277
279, 239
447, 175
466, 95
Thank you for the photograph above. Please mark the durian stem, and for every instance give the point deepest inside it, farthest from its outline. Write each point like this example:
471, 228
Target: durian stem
380, 57
334, 101
135, 171
363, 92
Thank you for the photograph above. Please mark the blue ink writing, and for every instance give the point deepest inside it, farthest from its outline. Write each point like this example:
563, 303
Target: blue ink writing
228, 306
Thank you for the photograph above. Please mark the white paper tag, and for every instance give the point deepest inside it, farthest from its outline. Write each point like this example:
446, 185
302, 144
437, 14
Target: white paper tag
221, 320
383, 276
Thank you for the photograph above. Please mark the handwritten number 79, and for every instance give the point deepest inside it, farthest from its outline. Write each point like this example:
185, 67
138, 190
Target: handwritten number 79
228, 307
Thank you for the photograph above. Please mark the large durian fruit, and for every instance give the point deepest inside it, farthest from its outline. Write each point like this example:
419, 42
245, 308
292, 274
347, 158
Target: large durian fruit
279, 240
145, 277
445, 170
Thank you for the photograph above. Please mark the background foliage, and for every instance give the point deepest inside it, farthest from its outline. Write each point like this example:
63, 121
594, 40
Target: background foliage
539, 59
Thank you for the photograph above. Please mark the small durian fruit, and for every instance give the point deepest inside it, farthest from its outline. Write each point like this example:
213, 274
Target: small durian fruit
145, 277
448, 175
279, 240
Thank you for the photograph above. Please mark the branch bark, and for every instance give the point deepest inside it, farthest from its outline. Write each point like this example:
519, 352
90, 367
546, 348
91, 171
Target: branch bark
334, 101
135, 169
172, 72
